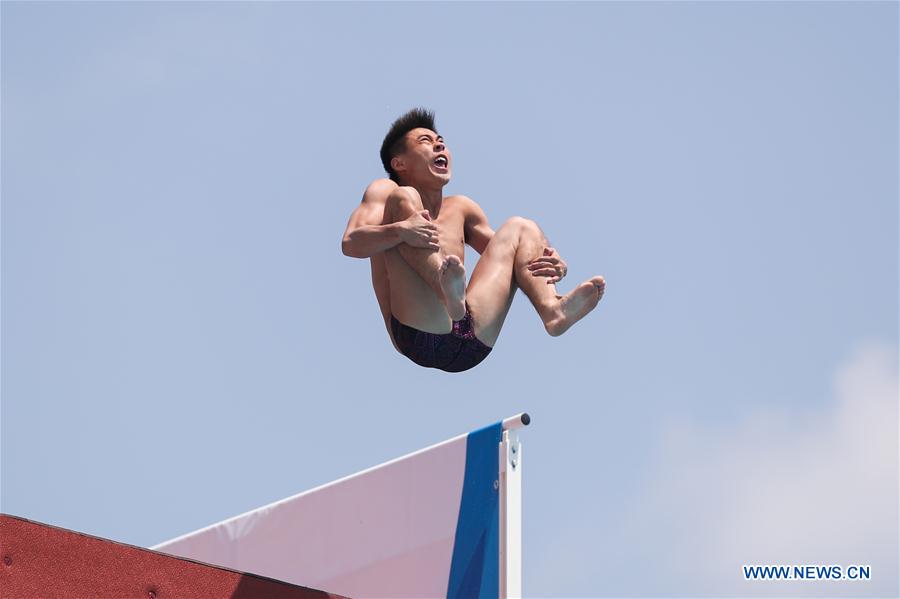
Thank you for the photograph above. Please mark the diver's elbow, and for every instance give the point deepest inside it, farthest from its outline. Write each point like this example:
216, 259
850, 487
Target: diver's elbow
347, 248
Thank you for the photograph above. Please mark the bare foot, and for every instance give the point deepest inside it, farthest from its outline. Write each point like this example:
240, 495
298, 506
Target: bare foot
453, 284
575, 305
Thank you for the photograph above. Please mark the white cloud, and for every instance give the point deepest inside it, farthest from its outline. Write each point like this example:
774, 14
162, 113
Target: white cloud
784, 486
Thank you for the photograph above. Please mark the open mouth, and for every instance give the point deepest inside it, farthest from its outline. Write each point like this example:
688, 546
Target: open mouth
441, 162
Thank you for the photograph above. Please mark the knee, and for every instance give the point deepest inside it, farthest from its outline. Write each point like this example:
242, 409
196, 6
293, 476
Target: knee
402, 202
406, 197
520, 224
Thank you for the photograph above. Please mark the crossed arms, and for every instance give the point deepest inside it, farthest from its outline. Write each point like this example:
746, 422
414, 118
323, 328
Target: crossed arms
366, 236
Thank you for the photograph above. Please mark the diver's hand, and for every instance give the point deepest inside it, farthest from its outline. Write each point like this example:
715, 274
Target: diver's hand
550, 265
418, 231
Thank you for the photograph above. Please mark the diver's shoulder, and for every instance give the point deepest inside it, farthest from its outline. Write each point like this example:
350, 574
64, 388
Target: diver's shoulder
378, 190
382, 184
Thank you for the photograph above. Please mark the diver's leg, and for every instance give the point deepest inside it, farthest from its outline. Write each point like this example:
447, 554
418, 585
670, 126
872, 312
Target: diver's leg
504, 266
427, 286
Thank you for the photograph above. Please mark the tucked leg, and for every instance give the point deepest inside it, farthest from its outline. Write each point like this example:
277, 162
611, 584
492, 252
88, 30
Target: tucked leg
427, 286
504, 266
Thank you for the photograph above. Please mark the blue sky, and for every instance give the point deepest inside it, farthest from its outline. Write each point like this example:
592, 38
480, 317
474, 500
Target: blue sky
183, 340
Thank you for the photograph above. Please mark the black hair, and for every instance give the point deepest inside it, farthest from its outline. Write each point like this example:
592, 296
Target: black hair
395, 141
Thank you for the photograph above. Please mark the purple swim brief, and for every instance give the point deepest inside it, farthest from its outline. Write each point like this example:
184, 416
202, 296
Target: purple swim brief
455, 351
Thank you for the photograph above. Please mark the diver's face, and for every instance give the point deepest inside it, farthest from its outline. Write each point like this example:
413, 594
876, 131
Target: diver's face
426, 159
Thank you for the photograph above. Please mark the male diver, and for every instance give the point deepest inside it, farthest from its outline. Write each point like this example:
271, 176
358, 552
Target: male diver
415, 236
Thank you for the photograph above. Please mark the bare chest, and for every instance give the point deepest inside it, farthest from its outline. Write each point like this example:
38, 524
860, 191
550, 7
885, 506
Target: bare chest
450, 224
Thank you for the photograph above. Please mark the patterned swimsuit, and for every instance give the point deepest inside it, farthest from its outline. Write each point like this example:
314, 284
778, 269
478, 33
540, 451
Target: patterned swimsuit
455, 351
